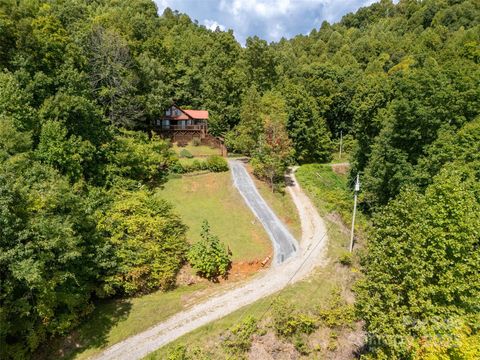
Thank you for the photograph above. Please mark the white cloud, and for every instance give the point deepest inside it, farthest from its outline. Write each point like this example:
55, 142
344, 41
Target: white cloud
212, 25
269, 19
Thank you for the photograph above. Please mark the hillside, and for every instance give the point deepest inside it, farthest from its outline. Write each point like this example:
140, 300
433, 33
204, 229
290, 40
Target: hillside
81, 215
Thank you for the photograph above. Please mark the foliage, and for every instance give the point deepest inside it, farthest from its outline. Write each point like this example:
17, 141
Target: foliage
328, 189
239, 338
148, 241
209, 257
306, 128
401, 79
273, 152
51, 257
216, 163
438, 233
244, 138
13, 141
288, 321
184, 153
135, 156
66, 154
459, 343
213, 163
181, 352
336, 312
346, 259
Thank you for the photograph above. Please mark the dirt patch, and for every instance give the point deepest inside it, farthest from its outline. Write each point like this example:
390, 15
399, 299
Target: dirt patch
269, 347
335, 218
239, 271
187, 276
341, 169
243, 269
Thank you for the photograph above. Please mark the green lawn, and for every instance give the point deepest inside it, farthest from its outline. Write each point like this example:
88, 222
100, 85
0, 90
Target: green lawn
115, 320
325, 188
213, 197
197, 151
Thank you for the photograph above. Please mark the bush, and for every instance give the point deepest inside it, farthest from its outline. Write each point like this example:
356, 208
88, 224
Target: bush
239, 337
186, 154
288, 321
177, 168
346, 259
216, 163
213, 163
337, 312
209, 257
135, 156
301, 346
181, 352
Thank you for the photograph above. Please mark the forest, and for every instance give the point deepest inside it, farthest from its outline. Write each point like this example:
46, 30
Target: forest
81, 81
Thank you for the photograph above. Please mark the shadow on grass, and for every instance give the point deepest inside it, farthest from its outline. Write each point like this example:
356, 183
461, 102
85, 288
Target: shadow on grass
92, 333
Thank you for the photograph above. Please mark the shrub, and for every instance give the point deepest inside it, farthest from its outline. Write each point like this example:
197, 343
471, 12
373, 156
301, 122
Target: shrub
288, 321
196, 141
213, 163
346, 259
182, 352
216, 163
209, 257
301, 346
186, 154
239, 337
197, 165
177, 168
178, 353
337, 312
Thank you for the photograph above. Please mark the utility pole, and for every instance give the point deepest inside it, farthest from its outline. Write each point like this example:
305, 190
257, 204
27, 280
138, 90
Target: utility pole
357, 189
341, 139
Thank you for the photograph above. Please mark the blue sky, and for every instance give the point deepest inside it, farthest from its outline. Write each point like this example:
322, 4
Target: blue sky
269, 19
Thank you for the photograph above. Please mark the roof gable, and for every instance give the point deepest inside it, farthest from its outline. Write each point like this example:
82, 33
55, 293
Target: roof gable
177, 113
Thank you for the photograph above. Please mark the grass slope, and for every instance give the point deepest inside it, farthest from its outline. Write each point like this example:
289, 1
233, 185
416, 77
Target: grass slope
115, 320
213, 197
197, 151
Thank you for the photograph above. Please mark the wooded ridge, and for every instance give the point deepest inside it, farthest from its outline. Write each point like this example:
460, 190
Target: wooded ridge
81, 82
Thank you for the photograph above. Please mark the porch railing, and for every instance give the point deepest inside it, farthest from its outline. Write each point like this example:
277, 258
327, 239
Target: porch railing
182, 127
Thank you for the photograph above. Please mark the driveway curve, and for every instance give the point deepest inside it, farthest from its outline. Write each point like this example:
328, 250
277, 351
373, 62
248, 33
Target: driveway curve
310, 253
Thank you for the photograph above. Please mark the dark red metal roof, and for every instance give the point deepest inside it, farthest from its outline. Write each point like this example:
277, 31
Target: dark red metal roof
188, 114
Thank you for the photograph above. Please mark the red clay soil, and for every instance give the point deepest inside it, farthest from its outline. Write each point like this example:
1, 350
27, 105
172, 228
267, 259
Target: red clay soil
243, 269
240, 270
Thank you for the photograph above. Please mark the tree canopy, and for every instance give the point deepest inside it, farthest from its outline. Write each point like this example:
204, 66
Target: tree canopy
81, 81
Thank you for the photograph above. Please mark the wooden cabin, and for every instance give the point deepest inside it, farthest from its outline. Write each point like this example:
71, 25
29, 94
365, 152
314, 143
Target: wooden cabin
182, 126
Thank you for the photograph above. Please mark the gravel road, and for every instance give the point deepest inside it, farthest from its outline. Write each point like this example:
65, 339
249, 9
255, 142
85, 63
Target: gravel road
295, 266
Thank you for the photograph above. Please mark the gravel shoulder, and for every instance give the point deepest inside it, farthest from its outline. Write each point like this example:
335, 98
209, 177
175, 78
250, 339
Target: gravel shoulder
299, 264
